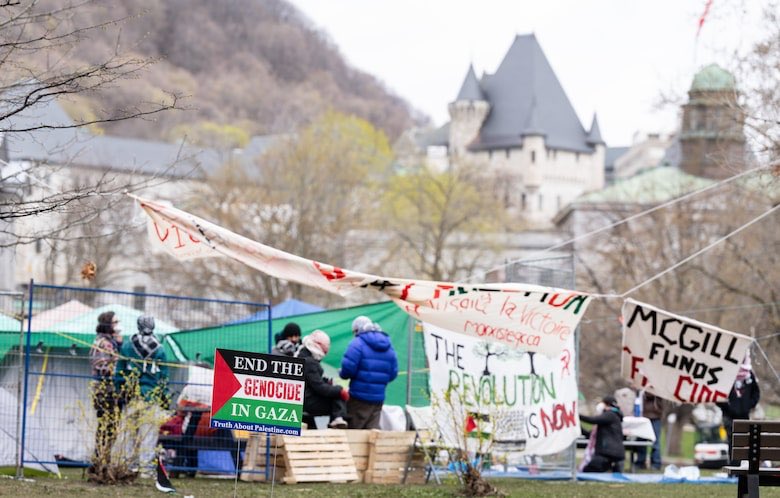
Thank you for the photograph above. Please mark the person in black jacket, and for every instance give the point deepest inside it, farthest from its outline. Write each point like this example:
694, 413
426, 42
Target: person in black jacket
744, 396
321, 397
287, 341
608, 451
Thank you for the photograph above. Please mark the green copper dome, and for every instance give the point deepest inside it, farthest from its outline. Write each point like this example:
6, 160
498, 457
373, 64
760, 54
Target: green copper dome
713, 78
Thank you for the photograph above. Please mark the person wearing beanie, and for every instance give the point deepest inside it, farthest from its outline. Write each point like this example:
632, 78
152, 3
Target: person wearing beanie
103, 357
359, 323
743, 397
321, 397
287, 340
370, 363
142, 378
605, 445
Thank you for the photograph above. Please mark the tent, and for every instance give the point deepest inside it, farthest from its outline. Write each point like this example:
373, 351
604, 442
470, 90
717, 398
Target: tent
37, 451
79, 332
288, 307
86, 322
253, 336
9, 324
62, 313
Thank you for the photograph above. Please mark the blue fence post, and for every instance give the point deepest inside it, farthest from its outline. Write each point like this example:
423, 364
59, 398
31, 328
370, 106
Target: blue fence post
26, 376
268, 438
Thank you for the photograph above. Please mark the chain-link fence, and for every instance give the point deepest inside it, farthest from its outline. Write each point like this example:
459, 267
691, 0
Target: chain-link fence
60, 410
12, 307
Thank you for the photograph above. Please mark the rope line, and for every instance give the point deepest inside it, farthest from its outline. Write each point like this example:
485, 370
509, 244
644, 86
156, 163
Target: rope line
768, 361
627, 219
700, 251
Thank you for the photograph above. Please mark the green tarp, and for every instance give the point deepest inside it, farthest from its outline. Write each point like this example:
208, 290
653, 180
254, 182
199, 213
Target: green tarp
253, 336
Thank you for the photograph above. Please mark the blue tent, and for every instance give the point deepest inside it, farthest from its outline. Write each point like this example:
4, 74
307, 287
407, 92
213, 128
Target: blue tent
290, 307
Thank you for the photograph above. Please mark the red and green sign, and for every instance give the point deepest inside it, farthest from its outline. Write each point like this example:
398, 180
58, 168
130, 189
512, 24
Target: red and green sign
257, 392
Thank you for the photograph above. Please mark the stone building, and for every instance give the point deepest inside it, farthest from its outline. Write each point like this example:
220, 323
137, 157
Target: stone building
712, 140
520, 128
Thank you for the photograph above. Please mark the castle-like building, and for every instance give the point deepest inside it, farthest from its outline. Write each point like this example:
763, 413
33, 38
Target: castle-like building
519, 127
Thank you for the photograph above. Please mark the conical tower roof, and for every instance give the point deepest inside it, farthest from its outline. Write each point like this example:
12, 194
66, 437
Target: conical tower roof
594, 136
470, 89
524, 93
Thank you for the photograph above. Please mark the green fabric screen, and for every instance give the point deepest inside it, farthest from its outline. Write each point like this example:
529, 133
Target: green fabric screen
253, 336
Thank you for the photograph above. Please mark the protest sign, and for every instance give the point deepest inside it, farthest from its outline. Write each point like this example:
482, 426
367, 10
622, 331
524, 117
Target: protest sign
527, 399
257, 392
522, 317
678, 358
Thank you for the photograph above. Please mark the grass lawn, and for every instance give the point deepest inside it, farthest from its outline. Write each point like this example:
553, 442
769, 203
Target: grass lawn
73, 485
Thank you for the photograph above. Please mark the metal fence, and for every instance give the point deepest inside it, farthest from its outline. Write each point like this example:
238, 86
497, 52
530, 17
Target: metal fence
53, 379
554, 271
12, 309
45, 364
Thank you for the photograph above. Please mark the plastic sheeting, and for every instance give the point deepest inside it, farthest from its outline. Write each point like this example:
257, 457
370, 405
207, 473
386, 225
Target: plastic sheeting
37, 450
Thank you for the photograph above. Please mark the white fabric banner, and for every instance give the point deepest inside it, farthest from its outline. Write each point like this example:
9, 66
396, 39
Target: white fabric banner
519, 316
677, 358
529, 400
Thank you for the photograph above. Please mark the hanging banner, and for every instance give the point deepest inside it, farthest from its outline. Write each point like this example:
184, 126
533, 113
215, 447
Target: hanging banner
257, 392
518, 316
528, 401
678, 358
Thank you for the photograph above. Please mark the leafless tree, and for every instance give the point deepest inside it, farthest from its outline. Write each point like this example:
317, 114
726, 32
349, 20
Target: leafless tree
37, 41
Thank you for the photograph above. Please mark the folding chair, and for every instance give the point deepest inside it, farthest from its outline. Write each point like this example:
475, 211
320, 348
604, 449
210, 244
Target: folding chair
426, 439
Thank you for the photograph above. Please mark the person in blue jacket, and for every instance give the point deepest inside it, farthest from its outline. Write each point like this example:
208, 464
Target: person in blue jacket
370, 363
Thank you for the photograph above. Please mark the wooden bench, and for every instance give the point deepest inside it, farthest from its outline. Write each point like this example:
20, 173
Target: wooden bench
755, 441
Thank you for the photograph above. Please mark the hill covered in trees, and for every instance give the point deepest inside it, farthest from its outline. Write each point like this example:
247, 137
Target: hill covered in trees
247, 66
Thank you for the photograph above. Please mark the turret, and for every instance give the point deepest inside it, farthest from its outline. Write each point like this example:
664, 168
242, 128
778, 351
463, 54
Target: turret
712, 141
467, 113
534, 146
596, 177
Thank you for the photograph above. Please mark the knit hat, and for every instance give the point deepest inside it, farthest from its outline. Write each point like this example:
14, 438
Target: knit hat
146, 324
610, 400
318, 344
359, 323
290, 330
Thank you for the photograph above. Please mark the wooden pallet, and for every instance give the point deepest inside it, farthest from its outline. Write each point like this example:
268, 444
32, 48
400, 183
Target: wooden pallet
255, 458
388, 456
359, 446
318, 456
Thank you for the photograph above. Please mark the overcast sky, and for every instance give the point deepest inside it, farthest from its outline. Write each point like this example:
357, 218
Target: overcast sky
614, 57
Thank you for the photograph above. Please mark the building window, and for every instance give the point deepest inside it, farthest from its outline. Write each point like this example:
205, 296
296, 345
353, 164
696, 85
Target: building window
506, 198
693, 120
523, 201
541, 203
533, 156
139, 297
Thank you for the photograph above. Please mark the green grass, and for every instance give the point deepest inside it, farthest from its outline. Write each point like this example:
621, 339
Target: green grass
73, 485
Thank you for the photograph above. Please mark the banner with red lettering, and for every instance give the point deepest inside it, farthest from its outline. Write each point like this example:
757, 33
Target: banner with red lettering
518, 316
678, 358
527, 401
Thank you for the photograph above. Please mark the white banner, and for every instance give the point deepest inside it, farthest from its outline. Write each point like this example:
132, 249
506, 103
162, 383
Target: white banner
529, 400
677, 358
519, 316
